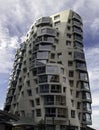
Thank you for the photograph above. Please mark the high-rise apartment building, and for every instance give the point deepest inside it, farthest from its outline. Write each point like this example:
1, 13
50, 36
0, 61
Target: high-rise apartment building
49, 80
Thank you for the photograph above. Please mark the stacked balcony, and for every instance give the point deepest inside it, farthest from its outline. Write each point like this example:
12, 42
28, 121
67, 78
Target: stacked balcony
44, 21
79, 56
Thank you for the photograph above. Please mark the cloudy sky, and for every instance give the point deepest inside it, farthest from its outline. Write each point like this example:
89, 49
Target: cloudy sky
16, 16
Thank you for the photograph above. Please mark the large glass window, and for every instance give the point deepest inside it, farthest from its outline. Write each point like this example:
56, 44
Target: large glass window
81, 65
83, 76
60, 100
53, 78
87, 106
87, 117
44, 88
55, 88
86, 95
79, 55
50, 112
62, 112
42, 78
52, 69
41, 69
49, 100
85, 85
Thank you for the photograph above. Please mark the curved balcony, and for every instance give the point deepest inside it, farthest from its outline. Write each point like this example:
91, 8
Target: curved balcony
43, 40
81, 66
44, 21
77, 31
77, 17
46, 31
79, 56
77, 23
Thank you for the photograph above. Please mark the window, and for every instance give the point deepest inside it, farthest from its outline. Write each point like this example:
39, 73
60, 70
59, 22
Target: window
72, 113
29, 92
88, 117
22, 93
78, 105
38, 112
53, 78
44, 88
20, 87
68, 35
63, 127
71, 82
41, 69
68, 43
25, 70
59, 55
77, 94
64, 79
50, 112
64, 89
52, 56
79, 55
68, 27
49, 100
81, 65
62, 70
55, 88
70, 53
70, 63
37, 90
22, 113
71, 91
28, 83
34, 72
42, 78
62, 112
72, 102
20, 80
69, 20
31, 103
87, 106
71, 73
56, 17
57, 23
83, 76
86, 95
85, 85
60, 100
38, 101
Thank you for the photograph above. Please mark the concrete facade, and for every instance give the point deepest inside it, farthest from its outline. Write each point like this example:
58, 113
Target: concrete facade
49, 80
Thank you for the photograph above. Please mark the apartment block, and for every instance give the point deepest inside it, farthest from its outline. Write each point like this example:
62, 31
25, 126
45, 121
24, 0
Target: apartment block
49, 80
